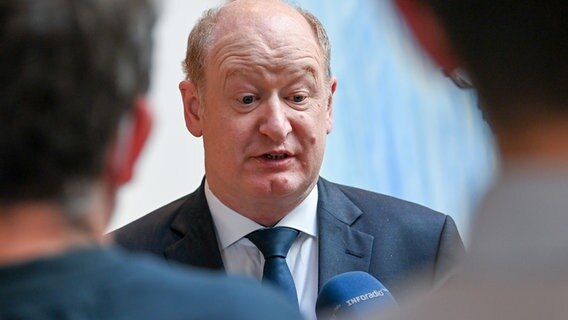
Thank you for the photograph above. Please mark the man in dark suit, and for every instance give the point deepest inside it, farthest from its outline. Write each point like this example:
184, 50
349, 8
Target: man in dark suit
73, 119
259, 90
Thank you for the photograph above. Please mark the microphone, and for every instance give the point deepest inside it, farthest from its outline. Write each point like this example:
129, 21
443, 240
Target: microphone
350, 294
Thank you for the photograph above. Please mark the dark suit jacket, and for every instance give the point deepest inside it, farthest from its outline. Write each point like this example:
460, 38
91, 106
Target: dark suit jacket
358, 230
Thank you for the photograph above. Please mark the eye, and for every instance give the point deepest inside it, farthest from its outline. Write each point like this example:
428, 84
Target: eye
298, 98
248, 99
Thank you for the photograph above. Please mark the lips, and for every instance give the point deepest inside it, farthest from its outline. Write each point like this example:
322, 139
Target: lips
275, 156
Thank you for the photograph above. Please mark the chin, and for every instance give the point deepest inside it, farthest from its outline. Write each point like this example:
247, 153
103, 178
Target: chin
280, 186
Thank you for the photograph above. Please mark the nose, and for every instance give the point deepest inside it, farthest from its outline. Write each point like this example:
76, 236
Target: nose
275, 123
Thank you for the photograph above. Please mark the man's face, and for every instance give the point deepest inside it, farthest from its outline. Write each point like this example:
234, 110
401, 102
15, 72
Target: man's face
265, 112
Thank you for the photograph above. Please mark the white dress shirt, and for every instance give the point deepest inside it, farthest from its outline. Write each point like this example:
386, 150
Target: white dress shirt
240, 255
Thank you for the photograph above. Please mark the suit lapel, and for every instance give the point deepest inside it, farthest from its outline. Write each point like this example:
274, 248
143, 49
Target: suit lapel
342, 248
197, 245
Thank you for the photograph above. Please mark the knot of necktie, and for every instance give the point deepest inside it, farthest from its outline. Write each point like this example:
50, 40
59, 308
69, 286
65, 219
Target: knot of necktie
273, 242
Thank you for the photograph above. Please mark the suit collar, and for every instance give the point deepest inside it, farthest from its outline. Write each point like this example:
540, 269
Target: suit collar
342, 247
197, 244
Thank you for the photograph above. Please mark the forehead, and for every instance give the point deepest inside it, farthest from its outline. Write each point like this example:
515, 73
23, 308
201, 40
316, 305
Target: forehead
264, 38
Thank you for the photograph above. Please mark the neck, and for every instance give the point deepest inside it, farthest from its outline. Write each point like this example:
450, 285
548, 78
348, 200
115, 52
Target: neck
538, 140
266, 212
33, 229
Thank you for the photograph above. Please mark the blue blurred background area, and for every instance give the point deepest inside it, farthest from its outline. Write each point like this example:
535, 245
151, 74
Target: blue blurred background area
400, 126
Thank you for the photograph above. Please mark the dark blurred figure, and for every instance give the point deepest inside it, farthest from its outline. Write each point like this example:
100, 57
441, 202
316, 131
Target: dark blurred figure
73, 119
515, 54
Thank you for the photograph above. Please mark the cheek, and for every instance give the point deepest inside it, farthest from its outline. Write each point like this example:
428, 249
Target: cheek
314, 127
233, 136
226, 126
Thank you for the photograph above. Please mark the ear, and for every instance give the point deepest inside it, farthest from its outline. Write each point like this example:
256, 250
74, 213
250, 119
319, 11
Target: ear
191, 107
333, 86
429, 33
132, 134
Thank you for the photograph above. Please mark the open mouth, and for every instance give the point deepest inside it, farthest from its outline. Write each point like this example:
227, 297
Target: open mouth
272, 156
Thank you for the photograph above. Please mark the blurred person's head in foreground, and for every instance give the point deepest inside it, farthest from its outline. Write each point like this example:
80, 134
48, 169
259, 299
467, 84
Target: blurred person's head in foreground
515, 53
73, 117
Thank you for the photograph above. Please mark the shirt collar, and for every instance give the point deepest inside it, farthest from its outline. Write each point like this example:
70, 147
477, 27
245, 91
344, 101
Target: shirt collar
232, 226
